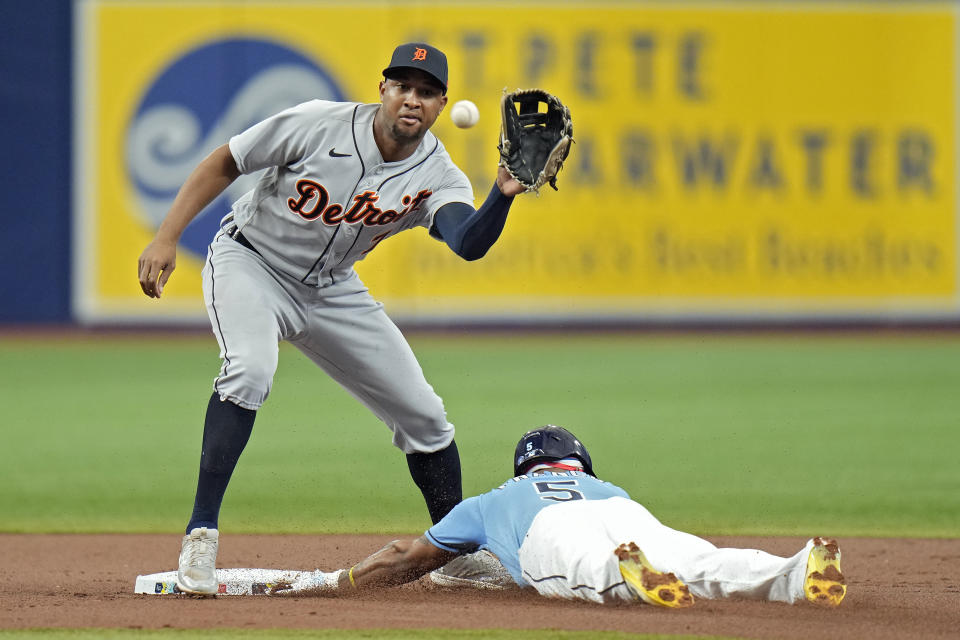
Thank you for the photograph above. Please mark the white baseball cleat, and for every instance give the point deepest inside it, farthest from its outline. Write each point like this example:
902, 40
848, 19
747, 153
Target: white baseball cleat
479, 570
197, 573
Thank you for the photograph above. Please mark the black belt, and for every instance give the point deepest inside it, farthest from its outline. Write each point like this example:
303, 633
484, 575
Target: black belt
239, 237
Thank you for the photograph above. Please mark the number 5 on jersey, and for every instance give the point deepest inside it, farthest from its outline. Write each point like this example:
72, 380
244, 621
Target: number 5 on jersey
558, 490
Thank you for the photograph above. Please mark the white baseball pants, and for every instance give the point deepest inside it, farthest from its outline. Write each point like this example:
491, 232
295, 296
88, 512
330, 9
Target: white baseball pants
568, 553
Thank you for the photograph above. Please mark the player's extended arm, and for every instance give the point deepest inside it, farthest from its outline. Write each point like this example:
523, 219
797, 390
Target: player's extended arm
399, 562
471, 232
206, 182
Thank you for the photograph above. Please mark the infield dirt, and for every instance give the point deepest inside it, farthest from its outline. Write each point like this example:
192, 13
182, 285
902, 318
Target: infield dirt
897, 589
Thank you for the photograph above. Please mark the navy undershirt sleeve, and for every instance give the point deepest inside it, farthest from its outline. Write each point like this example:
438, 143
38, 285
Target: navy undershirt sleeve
470, 232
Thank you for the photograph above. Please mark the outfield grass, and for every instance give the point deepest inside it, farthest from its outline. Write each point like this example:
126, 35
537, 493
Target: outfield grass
851, 435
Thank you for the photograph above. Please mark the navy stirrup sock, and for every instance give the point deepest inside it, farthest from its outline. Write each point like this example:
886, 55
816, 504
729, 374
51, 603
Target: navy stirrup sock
226, 431
437, 475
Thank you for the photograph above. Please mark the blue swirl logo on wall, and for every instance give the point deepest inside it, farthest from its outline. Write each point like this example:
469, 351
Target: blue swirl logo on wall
196, 104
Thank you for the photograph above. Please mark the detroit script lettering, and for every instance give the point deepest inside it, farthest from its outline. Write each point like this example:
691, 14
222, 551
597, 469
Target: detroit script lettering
313, 201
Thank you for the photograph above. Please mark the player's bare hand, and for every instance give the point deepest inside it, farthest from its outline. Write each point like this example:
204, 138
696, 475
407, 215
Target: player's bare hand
508, 184
156, 264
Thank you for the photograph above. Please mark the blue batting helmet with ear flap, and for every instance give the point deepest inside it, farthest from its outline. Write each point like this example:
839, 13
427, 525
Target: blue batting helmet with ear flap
546, 443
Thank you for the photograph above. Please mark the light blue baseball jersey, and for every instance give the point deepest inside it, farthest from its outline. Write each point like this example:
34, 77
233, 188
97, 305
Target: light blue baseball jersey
499, 519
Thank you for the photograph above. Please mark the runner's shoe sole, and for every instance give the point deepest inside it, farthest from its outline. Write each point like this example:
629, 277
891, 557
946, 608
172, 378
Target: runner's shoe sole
652, 586
824, 584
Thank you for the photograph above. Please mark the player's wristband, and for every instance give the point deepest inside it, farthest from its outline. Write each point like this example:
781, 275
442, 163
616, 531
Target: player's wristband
350, 577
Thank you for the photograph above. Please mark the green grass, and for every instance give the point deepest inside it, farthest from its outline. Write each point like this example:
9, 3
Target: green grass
850, 435
331, 634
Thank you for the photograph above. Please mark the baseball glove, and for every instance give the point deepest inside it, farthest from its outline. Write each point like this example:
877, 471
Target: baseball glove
535, 137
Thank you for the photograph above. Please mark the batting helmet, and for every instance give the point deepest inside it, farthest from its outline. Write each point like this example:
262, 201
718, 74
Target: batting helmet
549, 442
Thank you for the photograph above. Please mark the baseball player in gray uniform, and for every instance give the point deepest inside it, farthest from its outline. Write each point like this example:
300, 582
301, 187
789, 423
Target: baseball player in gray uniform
339, 179
558, 528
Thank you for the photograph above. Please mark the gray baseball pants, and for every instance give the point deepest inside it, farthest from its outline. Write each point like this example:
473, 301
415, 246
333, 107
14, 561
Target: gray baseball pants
341, 328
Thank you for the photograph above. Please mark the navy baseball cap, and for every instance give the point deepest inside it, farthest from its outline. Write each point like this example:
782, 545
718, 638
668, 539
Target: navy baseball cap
417, 55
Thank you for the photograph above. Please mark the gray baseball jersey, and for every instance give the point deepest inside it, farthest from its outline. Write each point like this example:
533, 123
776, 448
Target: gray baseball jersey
327, 197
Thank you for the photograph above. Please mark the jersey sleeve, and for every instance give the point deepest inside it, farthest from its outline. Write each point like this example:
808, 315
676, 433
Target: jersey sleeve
461, 530
453, 187
280, 140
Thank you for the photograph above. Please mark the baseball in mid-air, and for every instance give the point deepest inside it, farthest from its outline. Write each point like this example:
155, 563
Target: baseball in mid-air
464, 114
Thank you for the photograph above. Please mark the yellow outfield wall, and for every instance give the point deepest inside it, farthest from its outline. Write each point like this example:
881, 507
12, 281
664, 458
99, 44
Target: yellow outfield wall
763, 159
